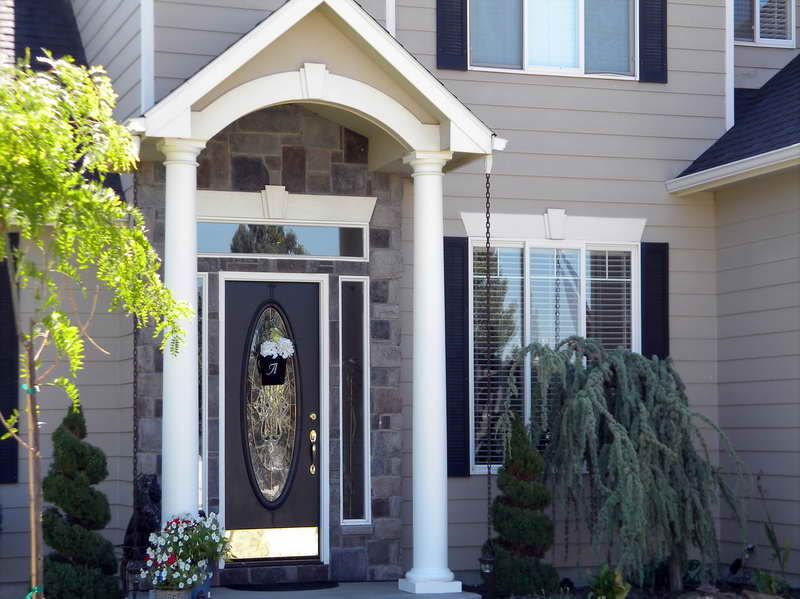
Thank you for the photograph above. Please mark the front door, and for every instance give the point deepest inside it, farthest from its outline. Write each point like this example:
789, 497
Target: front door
272, 433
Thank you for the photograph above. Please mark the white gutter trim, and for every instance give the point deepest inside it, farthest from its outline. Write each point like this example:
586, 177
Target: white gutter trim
746, 168
391, 17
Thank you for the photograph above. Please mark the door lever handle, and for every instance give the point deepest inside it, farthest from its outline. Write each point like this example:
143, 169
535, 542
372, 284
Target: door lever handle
312, 436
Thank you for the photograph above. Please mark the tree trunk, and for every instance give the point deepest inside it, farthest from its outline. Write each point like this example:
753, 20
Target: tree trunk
676, 571
34, 475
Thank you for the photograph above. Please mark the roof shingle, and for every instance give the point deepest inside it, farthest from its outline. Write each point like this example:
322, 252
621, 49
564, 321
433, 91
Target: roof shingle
771, 121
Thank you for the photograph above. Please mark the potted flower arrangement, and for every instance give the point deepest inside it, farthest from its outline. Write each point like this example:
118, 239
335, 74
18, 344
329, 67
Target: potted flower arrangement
180, 558
272, 356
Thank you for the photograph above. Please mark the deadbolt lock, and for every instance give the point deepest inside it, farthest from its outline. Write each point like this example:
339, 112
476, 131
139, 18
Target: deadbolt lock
312, 416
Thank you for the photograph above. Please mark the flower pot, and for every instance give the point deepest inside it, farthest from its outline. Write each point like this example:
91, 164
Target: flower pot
273, 370
173, 593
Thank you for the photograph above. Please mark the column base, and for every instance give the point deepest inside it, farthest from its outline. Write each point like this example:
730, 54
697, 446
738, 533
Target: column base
429, 587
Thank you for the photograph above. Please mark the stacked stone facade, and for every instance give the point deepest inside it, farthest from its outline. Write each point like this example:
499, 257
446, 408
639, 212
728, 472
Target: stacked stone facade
306, 153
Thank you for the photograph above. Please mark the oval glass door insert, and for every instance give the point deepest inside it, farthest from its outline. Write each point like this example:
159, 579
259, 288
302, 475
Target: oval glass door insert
270, 419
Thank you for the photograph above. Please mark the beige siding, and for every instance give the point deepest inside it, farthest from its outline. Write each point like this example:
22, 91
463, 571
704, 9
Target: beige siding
596, 147
755, 65
110, 32
759, 350
106, 395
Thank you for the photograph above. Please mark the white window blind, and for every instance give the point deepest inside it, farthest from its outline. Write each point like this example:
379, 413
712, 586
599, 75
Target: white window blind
541, 295
774, 17
507, 298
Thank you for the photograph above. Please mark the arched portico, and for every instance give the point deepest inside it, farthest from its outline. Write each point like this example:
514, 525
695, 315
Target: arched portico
400, 140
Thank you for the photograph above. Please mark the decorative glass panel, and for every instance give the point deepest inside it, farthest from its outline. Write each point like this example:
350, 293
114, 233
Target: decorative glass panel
495, 33
354, 416
280, 240
270, 414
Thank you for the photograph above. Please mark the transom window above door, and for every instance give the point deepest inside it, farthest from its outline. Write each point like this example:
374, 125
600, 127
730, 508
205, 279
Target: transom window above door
580, 37
767, 22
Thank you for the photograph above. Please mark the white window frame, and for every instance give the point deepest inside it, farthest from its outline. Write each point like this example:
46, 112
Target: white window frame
526, 245
771, 43
560, 71
367, 519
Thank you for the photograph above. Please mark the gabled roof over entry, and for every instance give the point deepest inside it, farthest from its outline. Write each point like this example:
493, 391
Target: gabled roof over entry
395, 93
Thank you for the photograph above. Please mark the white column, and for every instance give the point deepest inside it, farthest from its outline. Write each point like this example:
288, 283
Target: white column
429, 573
180, 413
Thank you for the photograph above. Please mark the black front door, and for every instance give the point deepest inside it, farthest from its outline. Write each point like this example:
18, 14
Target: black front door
272, 434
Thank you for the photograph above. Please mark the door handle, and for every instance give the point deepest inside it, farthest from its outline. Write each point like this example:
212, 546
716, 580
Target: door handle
312, 436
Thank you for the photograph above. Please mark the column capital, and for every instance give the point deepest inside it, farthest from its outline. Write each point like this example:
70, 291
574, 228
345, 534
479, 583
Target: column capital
181, 151
427, 162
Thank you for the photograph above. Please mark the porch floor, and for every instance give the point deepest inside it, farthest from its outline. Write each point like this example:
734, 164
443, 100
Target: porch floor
348, 590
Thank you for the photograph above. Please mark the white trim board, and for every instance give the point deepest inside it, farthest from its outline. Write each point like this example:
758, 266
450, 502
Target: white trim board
556, 224
746, 168
275, 204
324, 392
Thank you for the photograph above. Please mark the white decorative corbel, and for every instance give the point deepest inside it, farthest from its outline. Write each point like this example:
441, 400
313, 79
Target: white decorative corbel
313, 78
275, 200
555, 223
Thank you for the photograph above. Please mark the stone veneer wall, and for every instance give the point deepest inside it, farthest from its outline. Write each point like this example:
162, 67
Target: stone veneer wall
297, 148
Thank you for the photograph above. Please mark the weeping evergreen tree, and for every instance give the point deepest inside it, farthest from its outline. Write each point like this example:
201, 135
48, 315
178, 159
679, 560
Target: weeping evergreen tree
83, 564
652, 489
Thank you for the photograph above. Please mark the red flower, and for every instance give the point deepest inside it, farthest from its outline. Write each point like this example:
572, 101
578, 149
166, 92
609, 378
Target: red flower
171, 559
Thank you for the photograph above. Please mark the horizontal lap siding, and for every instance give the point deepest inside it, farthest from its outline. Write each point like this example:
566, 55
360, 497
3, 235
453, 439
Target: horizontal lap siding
110, 32
759, 351
595, 147
756, 65
106, 394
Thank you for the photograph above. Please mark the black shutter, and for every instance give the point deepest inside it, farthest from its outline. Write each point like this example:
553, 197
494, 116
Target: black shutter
653, 41
451, 34
9, 376
655, 299
456, 318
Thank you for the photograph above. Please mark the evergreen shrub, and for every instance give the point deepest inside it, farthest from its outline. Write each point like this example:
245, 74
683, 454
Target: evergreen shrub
82, 565
524, 532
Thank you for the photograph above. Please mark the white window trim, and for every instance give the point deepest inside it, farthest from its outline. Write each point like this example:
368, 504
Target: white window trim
526, 245
759, 42
556, 71
367, 520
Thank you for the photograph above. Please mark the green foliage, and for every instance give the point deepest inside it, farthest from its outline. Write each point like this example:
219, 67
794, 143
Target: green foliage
58, 142
524, 533
83, 564
609, 584
651, 489
767, 582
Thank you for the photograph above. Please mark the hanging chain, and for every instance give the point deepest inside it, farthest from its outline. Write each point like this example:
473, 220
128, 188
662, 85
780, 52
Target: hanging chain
490, 361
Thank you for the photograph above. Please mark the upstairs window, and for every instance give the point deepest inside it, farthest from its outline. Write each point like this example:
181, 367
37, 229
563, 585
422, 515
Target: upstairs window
554, 36
768, 22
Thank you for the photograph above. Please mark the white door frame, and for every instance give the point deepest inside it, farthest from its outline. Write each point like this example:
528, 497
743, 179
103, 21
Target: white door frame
324, 405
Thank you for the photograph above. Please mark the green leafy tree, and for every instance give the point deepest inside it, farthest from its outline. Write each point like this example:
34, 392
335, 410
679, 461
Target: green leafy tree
524, 532
265, 239
83, 563
651, 490
73, 237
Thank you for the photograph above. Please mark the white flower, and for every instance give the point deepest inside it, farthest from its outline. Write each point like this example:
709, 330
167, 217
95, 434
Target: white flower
149, 563
282, 347
180, 586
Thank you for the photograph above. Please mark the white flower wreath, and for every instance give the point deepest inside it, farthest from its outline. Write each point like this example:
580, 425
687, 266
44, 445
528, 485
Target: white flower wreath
277, 345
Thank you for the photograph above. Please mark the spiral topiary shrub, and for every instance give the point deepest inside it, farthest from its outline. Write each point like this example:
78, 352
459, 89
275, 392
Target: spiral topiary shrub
82, 565
524, 532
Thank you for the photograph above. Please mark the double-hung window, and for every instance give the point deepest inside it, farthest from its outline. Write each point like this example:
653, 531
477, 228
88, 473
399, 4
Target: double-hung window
767, 22
554, 36
542, 292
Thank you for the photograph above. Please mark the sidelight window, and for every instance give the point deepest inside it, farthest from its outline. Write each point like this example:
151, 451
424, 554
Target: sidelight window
354, 399
541, 293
